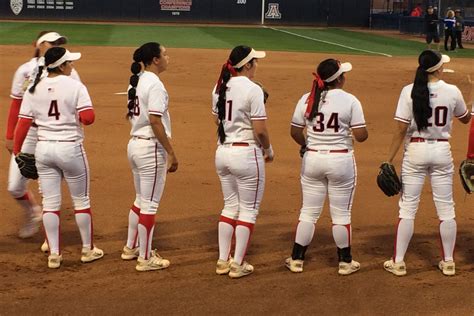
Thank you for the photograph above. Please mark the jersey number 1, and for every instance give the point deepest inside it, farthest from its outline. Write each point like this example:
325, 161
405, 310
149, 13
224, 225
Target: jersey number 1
53, 109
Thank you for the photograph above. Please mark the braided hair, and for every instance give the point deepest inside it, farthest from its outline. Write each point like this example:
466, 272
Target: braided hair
325, 70
52, 55
420, 93
142, 55
228, 70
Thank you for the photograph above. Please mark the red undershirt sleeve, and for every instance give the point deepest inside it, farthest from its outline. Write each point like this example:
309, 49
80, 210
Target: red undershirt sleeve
13, 117
87, 117
20, 133
470, 148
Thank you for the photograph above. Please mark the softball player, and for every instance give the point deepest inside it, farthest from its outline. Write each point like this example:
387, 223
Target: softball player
150, 152
331, 117
424, 119
17, 184
59, 104
239, 112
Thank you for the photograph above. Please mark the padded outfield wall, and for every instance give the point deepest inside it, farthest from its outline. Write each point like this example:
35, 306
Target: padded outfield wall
274, 12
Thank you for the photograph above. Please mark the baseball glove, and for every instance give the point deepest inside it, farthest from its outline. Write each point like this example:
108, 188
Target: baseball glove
303, 149
466, 171
27, 165
387, 179
265, 92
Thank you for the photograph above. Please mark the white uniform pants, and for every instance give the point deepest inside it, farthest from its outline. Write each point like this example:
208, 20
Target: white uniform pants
433, 159
328, 173
148, 160
56, 160
16, 182
241, 170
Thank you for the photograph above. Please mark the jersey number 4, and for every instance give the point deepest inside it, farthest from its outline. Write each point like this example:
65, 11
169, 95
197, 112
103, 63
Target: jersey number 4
333, 122
53, 109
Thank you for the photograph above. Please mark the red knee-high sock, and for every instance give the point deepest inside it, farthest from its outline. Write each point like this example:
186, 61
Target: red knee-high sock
52, 228
226, 229
133, 217
243, 231
146, 225
84, 223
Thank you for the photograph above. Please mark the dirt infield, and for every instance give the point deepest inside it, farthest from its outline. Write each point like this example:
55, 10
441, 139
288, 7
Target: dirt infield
186, 230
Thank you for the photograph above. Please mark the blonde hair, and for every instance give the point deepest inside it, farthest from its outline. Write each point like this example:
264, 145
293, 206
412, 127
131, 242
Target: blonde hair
450, 14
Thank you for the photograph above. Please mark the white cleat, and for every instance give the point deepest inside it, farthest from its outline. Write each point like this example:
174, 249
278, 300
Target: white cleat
447, 267
295, 265
31, 225
240, 270
130, 253
223, 267
398, 269
89, 255
346, 268
54, 261
156, 262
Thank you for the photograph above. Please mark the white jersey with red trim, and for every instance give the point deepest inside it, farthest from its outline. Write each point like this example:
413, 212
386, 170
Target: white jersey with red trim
151, 99
25, 75
446, 101
330, 129
244, 104
55, 106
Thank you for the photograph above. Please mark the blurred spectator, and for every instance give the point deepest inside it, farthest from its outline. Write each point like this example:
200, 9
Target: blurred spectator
417, 11
449, 30
459, 28
431, 27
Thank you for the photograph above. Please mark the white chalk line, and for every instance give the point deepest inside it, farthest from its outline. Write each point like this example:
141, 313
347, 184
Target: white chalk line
120, 93
327, 42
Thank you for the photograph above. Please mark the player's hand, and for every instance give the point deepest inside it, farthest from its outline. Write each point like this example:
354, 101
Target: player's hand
268, 154
172, 163
9, 145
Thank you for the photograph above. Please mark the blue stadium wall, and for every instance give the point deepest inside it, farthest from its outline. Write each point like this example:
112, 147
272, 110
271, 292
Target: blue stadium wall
275, 12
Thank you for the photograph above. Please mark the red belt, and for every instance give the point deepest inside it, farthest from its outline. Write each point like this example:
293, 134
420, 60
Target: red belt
240, 144
332, 151
422, 140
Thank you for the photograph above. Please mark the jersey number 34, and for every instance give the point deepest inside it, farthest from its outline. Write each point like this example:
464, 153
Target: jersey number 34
333, 122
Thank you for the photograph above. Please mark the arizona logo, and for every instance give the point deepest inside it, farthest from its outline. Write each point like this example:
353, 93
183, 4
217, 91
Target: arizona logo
16, 6
273, 11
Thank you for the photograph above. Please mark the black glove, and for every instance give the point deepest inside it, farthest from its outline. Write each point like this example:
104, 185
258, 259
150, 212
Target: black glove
387, 179
27, 165
303, 149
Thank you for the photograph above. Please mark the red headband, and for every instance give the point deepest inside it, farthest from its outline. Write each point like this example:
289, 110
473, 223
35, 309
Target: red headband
317, 83
230, 68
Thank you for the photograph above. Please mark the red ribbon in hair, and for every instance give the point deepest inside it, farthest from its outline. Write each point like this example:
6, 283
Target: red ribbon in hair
230, 68
317, 83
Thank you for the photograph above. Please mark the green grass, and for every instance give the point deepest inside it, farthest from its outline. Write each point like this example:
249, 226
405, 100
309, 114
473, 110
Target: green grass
216, 37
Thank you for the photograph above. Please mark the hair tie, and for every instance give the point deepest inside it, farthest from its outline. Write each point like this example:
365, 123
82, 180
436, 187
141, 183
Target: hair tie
317, 83
230, 68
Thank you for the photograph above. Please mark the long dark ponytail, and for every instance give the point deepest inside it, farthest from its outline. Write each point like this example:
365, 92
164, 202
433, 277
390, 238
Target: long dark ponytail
144, 54
420, 93
52, 55
326, 69
228, 70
